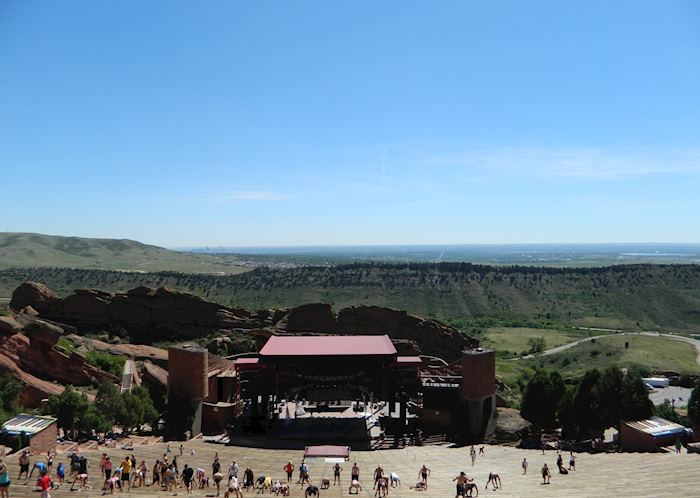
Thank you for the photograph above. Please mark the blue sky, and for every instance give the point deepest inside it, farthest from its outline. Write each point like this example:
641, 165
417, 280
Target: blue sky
305, 123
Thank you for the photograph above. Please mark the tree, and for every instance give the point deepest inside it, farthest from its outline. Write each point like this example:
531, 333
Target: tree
137, 409
70, 408
541, 399
109, 401
694, 405
635, 398
567, 415
586, 404
10, 390
610, 388
536, 344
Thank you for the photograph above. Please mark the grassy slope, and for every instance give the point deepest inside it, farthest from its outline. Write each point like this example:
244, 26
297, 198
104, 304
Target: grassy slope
657, 353
515, 339
37, 250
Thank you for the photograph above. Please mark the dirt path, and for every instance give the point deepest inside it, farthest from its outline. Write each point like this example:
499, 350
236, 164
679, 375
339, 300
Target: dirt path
564, 347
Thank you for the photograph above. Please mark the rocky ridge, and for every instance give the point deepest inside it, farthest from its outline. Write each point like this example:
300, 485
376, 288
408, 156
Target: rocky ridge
145, 315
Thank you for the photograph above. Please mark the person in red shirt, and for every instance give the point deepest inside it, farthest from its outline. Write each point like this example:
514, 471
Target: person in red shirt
289, 468
45, 485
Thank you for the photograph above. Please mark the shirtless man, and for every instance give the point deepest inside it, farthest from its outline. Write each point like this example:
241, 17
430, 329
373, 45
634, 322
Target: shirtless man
355, 485
424, 473
494, 479
355, 472
546, 476
378, 474
233, 489
23, 466
461, 480
382, 487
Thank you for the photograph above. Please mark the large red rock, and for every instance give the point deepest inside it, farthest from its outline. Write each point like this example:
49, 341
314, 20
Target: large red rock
432, 337
145, 314
313, 317
34, 389
49, 364
42, 332
33, 294
9, 326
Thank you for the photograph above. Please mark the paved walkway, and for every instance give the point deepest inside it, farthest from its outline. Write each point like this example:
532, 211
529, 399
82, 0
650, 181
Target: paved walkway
609, 475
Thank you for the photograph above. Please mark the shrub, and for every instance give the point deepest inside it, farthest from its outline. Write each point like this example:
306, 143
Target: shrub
111, 363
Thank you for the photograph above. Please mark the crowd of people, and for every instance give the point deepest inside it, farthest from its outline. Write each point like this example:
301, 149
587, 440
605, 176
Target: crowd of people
165, 474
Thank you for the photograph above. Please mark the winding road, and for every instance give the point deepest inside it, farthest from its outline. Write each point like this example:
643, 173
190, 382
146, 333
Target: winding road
564, 347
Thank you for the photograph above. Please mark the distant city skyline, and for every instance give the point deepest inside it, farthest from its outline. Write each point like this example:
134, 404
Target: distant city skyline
315, 123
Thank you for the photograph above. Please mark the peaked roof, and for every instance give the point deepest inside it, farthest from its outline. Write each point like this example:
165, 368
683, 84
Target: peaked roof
328, 345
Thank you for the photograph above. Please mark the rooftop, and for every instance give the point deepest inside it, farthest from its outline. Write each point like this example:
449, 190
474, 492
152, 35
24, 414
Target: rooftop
330, 345
28, 424
657, 426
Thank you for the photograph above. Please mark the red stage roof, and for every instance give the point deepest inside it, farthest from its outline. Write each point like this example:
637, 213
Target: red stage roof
331, 345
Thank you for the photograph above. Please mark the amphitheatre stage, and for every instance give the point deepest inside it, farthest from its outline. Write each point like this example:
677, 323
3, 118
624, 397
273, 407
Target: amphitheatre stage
613, 474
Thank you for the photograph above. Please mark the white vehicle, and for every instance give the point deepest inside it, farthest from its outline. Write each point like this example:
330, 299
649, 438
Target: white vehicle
656, 381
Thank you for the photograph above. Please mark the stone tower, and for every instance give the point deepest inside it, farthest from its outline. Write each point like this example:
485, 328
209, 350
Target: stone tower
188, 368
478, 393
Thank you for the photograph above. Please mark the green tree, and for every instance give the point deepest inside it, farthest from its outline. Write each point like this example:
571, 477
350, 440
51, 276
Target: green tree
665, 410
694, 405
109, 401
567, 415
137, 410
610, 387
10, 390
635, 398
586, 404
536, 344
70, 408
541, 399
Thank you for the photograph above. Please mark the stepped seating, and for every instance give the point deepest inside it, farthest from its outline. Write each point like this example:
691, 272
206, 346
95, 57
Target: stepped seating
603, 474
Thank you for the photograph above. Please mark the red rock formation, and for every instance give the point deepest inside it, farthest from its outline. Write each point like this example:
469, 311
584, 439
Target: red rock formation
313, 317
34, 389
146, 315
432, 337
42, 361
33, 294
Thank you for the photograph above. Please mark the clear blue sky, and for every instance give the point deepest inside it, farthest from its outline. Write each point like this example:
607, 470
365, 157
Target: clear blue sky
302, 123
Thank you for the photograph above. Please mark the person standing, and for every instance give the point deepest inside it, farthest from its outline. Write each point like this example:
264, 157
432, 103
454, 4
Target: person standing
23, 466
187, 475
233, 470
289, 469
4, 480
355, 472
337, 469
572, 461
524, 466
45, 485
472, 454
546, 476
424, 474
126, 472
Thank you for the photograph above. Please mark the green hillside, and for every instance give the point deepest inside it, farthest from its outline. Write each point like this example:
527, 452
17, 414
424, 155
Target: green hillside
37, 250
634, 297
